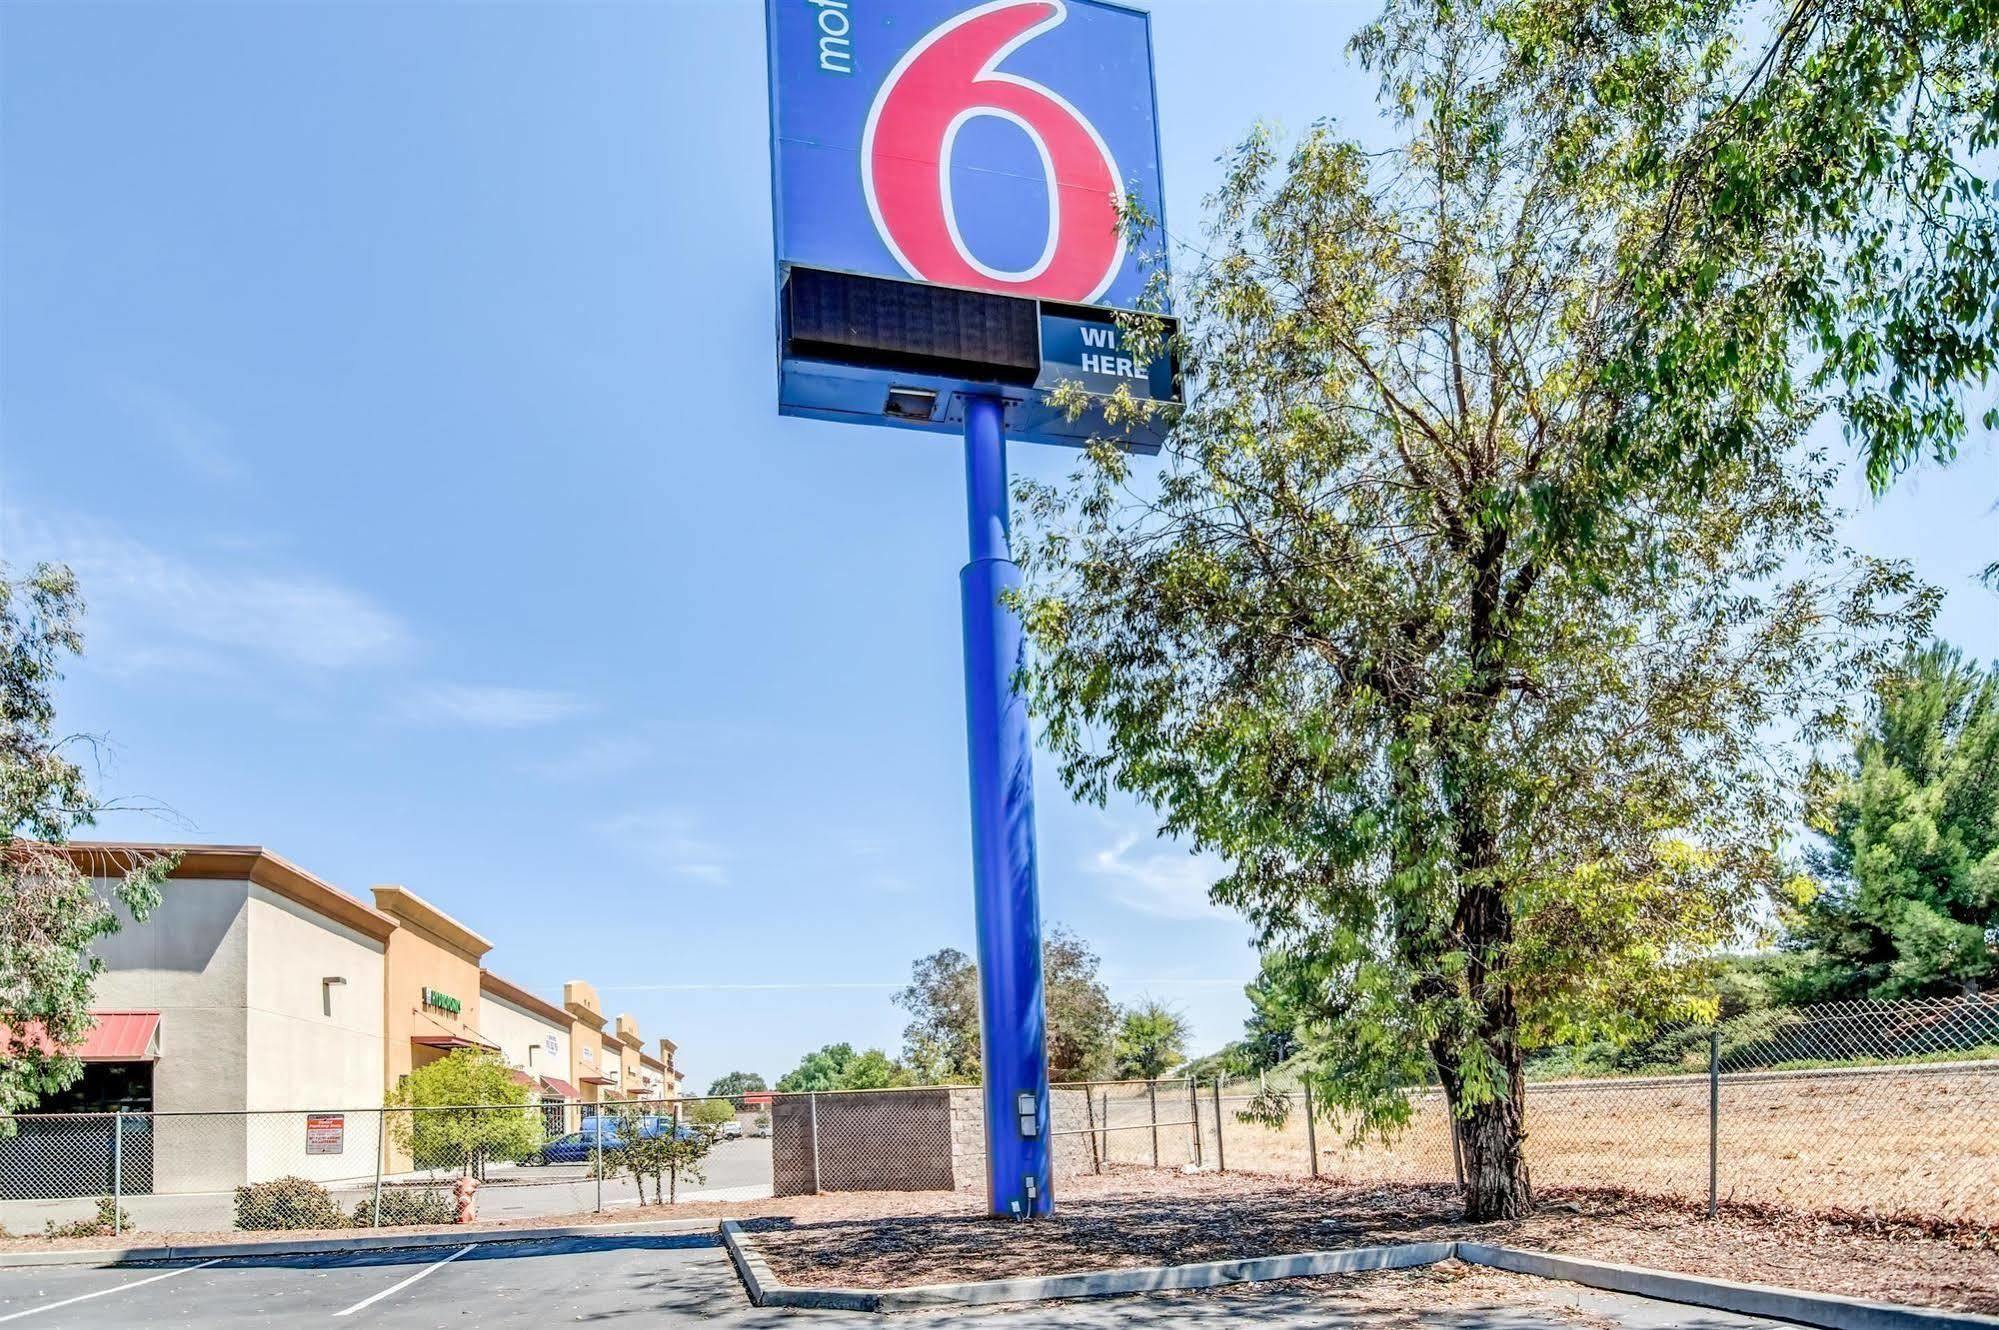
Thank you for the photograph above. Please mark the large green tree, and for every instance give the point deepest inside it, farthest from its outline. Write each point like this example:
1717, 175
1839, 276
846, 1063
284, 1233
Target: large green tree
839, 1067
736, 1084
49, 915
1151, 1040
941, 1043
1904, 898
1475, 709
1821, 171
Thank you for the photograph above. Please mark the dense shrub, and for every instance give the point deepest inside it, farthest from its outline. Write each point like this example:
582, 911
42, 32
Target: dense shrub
286, 1203
110, 1219
399, 1206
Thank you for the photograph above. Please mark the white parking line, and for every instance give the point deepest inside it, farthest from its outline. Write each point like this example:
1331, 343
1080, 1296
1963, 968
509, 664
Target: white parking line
397, 1288
115, 1288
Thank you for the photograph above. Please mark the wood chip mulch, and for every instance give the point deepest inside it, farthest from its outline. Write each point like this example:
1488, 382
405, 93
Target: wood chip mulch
1142, 1217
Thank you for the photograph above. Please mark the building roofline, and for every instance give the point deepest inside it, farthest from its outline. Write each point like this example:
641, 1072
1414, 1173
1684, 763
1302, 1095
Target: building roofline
253, 863
403, 904
508, 991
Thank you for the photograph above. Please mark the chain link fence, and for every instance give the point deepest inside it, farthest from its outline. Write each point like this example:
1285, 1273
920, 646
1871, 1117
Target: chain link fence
87, 1173
1877, 1108
1887, 1109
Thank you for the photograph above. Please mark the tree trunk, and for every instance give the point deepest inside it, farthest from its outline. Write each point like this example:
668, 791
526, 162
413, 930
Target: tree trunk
1496, 1183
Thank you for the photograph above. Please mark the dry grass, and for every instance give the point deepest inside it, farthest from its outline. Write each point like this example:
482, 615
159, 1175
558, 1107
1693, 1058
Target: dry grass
1914, 1144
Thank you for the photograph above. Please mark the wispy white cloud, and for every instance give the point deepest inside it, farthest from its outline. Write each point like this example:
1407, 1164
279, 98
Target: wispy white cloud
151, 610
491, 706
1168, 881
671, 842
191, 436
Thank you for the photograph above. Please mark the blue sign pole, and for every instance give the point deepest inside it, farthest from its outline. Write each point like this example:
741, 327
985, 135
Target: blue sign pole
1011, 1015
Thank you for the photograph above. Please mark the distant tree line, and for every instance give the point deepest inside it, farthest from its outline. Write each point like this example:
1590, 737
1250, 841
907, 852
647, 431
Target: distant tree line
1090, 1037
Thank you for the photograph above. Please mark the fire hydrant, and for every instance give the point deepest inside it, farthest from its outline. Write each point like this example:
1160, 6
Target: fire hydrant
464, 1193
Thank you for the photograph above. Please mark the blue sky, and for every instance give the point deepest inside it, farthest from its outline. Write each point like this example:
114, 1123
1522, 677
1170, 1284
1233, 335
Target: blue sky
399, 380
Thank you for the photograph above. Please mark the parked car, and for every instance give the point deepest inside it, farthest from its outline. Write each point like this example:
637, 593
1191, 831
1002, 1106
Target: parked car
731, 1130
576, 1147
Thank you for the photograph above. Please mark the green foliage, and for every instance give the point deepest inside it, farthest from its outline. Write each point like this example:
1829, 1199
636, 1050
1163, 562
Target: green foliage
736, 1084
49, 915
108, 1221
873, 1070
1906, 897
710, 1112
404, 1205
1814, 210
839, 1067
465, 1107
1269, 1107
941, 1042
1486, 717
287, 1203
1151, 1040
819, 1070
663, 1155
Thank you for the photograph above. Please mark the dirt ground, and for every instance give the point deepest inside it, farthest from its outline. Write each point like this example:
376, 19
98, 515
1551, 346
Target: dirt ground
1138, 1217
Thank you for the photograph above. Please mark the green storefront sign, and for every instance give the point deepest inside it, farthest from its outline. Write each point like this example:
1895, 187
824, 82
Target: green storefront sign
442, 1001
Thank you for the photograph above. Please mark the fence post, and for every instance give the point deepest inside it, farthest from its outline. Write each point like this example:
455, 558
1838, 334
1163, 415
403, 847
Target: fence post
1090, 1118
812, 1105
597, 1149
381, 1149
1311, 1128
1221, 1153
1194, 1120
1713, 1120
1457, 1150
117, 1170
1152, 1115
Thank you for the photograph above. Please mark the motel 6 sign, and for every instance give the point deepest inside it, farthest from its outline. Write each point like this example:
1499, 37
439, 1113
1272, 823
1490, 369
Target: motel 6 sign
968, 148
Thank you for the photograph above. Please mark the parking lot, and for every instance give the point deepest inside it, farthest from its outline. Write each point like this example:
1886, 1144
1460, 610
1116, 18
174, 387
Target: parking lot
684, 1278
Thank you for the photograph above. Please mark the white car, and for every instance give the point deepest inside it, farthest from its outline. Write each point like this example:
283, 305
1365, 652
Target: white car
731, 1130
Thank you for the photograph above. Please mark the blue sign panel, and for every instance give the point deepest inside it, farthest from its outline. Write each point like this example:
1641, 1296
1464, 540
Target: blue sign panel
983, 146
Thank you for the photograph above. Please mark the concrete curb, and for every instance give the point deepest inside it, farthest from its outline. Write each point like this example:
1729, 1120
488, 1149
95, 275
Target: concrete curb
1828, 1310
766, 1290
388, 1241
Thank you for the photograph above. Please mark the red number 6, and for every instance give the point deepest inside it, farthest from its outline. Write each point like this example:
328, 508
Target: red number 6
949, 78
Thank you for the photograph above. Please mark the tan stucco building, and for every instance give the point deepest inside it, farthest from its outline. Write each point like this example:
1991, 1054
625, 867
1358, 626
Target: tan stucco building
261, 1013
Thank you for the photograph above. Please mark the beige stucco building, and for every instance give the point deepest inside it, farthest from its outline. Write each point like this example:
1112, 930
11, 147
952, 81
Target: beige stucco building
264, 989
261, 1014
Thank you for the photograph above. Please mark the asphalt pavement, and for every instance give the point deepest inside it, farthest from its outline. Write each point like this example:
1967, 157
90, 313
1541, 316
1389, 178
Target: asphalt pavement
684, 1278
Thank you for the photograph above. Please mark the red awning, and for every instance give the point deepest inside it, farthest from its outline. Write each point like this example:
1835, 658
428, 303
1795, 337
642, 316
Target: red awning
120, 1036
561, 1087
598, 1080
520, 1077
447, 1041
